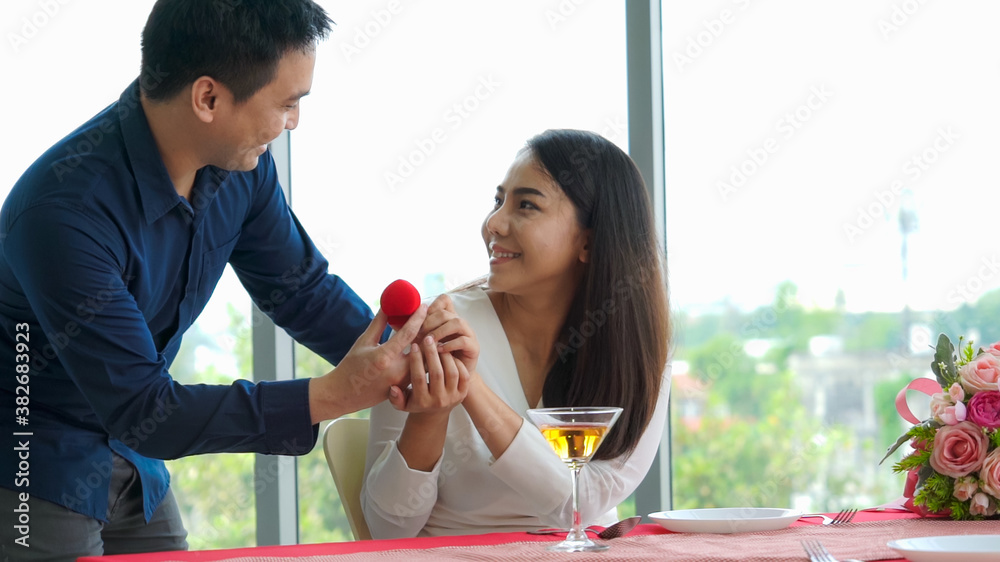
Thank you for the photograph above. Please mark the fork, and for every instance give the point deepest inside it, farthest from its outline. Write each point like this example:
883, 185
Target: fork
818, 553
845, 516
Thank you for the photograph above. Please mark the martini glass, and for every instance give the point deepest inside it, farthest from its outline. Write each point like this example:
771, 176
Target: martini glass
575, 434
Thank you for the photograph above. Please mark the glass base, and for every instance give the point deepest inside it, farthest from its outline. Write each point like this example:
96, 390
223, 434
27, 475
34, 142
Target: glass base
585, 545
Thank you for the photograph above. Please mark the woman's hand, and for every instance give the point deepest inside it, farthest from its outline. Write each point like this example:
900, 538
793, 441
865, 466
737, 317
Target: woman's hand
438, 381
452, 331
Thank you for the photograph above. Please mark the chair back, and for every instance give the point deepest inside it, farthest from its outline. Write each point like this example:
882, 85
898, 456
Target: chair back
345, 443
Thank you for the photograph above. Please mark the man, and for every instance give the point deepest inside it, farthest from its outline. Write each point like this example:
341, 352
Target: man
112, 242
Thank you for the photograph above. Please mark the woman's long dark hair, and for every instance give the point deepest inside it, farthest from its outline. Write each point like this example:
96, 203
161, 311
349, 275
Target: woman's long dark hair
612, 350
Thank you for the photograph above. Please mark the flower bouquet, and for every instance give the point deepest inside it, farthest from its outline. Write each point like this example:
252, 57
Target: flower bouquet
954, 469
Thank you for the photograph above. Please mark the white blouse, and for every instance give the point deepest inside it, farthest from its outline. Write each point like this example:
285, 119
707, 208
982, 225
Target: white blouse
468, 491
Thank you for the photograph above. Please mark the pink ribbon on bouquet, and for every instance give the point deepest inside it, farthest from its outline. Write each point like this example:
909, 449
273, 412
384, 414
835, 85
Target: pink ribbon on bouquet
927, 386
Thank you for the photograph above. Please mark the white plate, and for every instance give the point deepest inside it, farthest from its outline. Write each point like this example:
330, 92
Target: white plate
954, 548
726, 519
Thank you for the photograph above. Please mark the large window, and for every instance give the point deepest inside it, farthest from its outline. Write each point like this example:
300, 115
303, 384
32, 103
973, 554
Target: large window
829, 177
828, 205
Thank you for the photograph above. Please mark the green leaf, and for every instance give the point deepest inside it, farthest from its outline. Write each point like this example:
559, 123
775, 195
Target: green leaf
924, 473
916, 460
960, 511
935, 493
892, 449
944, 362
964, 351
924, 432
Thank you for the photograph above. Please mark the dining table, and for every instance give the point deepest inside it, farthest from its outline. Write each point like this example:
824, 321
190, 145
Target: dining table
864, 538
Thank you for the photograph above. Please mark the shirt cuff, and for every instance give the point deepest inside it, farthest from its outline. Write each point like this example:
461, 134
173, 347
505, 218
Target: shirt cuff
288, 424
398, 489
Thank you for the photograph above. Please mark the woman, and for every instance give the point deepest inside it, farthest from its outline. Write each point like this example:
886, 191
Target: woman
573, 313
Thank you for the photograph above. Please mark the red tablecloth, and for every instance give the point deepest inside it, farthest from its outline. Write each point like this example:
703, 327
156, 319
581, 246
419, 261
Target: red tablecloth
478, 546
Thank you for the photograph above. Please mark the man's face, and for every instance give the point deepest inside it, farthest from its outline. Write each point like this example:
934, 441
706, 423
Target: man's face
247, 128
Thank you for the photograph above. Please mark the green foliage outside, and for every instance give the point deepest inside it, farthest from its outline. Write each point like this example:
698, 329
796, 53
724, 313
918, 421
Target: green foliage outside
754, 442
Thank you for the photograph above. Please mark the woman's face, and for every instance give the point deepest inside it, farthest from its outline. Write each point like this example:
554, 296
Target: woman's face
533, 237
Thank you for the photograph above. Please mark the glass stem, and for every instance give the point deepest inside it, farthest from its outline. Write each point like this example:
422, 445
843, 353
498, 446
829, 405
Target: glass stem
576, 533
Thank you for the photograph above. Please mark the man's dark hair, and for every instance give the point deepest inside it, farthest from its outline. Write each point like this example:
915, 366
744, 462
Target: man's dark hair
237, 42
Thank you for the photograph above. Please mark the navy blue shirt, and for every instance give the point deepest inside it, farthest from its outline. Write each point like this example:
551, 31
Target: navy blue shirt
103, 266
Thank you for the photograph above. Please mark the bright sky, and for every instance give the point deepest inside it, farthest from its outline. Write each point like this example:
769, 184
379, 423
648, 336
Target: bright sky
903, 80
839, 103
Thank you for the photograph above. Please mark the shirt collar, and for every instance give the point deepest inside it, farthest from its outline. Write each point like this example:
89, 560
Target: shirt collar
157, 195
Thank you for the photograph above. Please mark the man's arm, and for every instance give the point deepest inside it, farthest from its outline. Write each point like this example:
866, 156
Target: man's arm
288, 278
72, 279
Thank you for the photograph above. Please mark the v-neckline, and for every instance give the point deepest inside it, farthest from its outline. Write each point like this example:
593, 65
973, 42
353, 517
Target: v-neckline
511, 386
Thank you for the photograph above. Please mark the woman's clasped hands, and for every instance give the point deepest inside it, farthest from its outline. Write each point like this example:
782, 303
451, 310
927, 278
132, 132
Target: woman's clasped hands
440, 363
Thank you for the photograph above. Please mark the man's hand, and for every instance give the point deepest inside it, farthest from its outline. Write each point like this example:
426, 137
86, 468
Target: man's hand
363, 377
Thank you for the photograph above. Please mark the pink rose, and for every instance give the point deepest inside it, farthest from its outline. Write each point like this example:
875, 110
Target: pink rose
982, 373
939, 402
956, 392
964, 488
984, 409
982, 505
989, 474
958, 449
993, 349
954, 414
